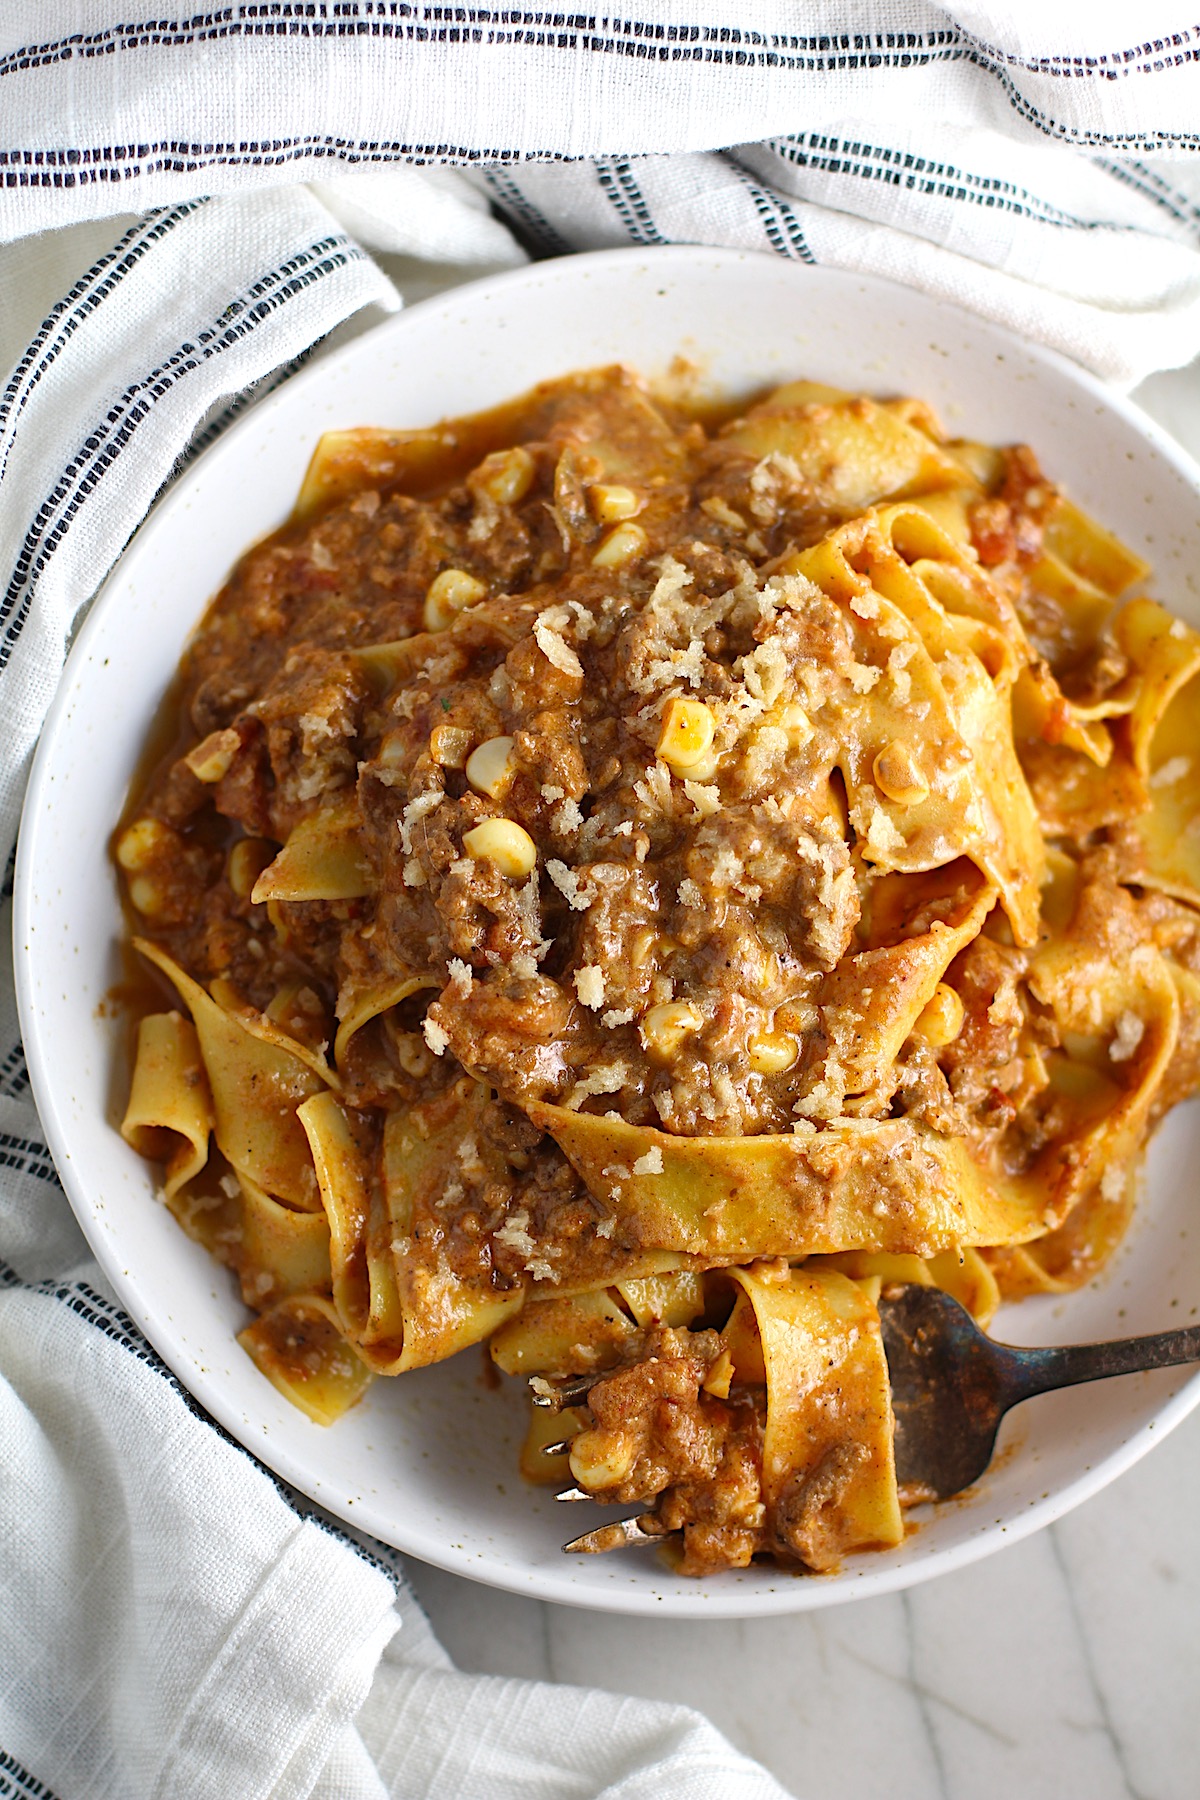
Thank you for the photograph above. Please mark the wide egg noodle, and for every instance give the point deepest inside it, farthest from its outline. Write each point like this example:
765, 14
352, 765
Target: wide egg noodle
299, 1347
323, 859
1164, 747
884, 569
361, 1000
1147, 788
1073, 1254
569, 1336
965, 1274
170, 1111
674, 1298
828, 1467
572, 1334
366, 1298
869, 1004
1117, 1010
443, 1311
880, 1184
1092, 554
398, 1300
281, 1250
256, 1085
546, 1427
849, 452
344, 463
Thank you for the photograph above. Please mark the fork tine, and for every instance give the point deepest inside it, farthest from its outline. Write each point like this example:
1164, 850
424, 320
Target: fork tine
558, 1449
616, 1537
559, 1393
574, 1494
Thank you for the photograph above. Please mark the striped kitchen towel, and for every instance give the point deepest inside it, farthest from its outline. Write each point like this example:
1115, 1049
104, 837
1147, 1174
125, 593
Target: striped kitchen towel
191, 203
1035, 163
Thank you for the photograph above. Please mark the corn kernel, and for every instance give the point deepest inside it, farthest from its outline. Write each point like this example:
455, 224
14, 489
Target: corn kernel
795, 721
898, 774
490, 766
702, 772
209, 761
612, 503
595, 1470
505, 843
623, 545
942, 1019
505, 477
642, 946
448, 594
771, 1052
142, 842
247, 860
449, 745
686, 736
664, 1027
146, 896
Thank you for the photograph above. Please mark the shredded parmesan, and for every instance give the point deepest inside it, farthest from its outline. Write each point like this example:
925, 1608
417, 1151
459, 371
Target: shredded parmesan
461, 976
704, 796
547, 631
606, 1078
654, 790
1129, 1033
514, 1234
569, 885
435, 1037
1171, 772
897, 666
414, 812
589, 985
882, 835
651, 1163
862, 677
1112, 1184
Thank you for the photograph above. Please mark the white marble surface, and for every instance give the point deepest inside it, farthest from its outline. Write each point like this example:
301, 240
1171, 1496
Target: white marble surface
1063, 1668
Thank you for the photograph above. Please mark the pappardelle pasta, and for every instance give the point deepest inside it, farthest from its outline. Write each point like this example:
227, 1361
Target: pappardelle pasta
625, 892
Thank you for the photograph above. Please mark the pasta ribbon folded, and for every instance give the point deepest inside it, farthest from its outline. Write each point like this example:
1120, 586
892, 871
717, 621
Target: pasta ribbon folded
888, 1184
828, 1469
910, 589
170, 1111
848, 452
299, 1347
323, 859
256, 1085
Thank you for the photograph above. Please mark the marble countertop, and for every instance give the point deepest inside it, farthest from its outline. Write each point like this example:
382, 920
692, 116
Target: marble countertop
1062, 1668
1066, 1667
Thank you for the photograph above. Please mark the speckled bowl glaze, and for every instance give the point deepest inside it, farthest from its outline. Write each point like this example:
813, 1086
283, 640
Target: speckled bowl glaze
428, 1461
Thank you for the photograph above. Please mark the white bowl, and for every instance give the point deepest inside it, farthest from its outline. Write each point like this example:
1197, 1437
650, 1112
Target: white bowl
428, 1462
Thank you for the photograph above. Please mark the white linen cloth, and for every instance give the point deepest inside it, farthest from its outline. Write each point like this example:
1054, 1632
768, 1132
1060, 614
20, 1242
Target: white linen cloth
172, 1621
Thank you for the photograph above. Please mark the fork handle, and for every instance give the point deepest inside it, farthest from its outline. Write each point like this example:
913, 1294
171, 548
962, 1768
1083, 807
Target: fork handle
1065, 1365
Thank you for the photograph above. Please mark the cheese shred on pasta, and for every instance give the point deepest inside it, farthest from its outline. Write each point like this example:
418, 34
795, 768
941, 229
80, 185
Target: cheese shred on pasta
634, 930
